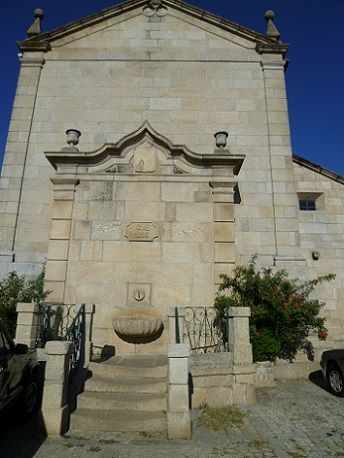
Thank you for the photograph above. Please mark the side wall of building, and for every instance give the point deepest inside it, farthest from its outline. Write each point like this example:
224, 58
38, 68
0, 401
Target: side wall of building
322, 237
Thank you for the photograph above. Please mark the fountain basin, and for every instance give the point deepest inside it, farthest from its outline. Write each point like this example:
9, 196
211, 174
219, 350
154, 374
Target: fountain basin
137, 327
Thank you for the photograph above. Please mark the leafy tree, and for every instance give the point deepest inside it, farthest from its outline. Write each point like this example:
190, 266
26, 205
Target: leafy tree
283, 313
14, 289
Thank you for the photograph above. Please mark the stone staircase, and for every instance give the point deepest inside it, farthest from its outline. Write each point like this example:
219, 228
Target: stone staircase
125, 394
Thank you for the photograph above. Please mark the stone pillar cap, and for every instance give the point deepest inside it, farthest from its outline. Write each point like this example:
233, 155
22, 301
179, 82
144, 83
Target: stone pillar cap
239, 311
58, 347
178, 351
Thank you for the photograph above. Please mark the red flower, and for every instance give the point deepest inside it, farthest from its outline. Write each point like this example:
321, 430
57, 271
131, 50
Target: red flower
323, 334
297, 306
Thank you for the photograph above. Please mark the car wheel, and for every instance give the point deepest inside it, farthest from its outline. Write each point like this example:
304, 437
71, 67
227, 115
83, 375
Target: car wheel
30, 398
335, 380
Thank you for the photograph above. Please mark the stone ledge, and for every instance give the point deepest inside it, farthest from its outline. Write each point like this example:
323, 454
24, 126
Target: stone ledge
178, 351
56, 347
239, 312
27, 307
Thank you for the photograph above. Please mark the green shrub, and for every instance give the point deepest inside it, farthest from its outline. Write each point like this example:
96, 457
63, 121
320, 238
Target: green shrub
14, 289
282, 311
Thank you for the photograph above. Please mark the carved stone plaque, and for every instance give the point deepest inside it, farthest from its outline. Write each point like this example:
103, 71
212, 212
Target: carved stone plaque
141, 232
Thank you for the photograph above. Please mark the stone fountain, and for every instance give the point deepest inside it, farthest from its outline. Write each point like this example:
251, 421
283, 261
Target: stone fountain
138, 328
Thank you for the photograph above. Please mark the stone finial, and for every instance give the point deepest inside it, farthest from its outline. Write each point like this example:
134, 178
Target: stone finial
35, 28
271, 30
72, 139
221, 140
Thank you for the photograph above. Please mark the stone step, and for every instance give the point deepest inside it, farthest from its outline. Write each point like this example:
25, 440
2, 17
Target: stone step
122, 401
131, 366
106, 384
117, 421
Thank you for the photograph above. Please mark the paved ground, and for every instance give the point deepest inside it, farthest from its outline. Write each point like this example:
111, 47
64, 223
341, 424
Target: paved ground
293, 419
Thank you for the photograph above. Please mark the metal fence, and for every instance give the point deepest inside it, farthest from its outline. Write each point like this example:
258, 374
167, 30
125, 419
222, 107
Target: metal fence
54, 321
203, 328
76, 334
62, 322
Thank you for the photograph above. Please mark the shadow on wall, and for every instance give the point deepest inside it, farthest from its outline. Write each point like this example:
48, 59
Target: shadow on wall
237, 195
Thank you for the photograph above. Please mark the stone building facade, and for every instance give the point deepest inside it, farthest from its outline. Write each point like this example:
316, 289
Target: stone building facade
147, 210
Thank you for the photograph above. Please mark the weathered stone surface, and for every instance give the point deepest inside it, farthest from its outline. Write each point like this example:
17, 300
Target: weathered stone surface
58, 250
60, 229
179, 351
179, 425
56, 271
224, 232
204, 80
178, 370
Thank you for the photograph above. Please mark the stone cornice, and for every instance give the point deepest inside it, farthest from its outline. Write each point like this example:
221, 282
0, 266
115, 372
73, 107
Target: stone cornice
42, 41
32, 61
34, 44
272, 48
271, 65
70, 182
218, 21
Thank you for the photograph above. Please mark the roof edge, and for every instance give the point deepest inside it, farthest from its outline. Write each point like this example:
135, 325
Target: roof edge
264, 43
317, 168
221, 22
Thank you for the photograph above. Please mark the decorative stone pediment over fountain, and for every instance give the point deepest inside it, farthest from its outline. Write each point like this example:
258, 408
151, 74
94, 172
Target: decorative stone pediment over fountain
145, 151
139, 227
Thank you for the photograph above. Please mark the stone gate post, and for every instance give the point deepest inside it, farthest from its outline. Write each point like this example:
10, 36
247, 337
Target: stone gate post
27, 323
244, 371
178, 411
55, 407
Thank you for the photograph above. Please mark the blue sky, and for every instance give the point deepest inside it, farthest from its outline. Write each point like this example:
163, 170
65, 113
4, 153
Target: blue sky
315, 77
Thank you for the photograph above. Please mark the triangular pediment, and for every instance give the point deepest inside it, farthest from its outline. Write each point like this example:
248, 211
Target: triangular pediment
99, 29
142, 152
173, 38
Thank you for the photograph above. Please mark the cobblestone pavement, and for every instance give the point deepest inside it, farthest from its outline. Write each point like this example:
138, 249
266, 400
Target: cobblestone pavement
292, 419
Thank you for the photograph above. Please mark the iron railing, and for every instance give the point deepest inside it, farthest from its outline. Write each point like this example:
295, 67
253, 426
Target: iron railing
76, 335
63, 322
53, 322
203, 328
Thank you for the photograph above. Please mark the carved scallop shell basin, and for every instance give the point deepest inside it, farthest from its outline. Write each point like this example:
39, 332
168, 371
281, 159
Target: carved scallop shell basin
138, 329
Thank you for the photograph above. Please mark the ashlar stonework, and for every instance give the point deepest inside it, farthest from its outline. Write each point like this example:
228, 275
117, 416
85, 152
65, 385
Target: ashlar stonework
146, 212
